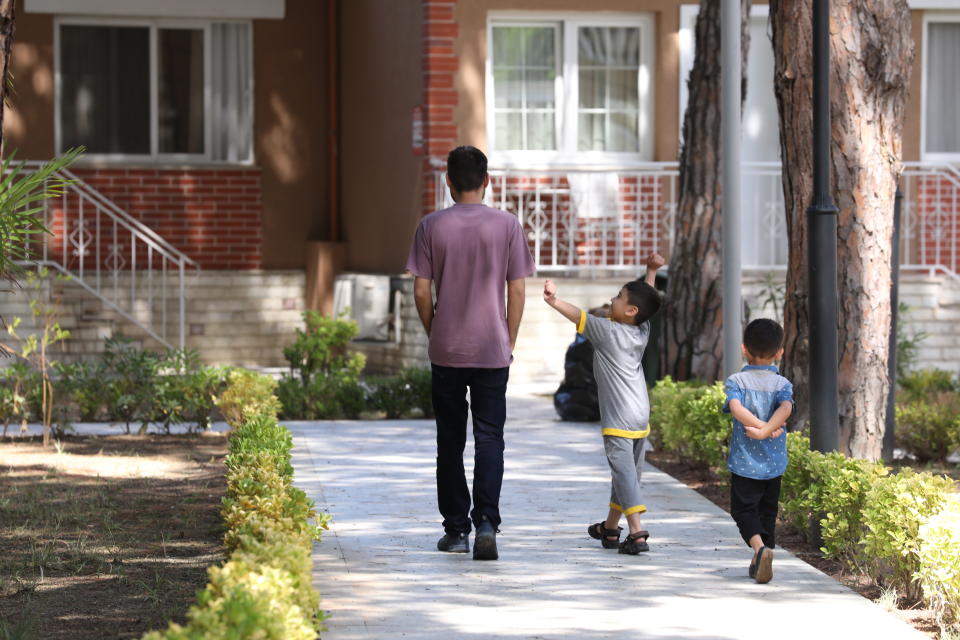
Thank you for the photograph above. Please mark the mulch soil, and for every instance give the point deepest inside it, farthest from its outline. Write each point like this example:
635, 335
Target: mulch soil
113, 544
717, 490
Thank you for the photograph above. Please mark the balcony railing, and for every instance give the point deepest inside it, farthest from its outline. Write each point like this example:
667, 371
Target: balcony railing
590, 221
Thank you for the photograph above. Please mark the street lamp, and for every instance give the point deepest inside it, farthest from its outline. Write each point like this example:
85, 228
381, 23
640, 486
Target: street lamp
822, 252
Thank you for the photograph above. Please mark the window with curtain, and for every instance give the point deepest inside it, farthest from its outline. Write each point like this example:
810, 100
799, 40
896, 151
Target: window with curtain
157, 90
524, 73
571, 86
942, 88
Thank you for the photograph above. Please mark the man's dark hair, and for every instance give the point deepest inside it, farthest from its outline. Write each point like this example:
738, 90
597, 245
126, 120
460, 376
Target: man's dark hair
466, 168
763, 338
645, 298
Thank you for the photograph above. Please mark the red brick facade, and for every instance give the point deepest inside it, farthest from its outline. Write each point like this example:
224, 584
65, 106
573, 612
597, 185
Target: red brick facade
440, 65
214, 216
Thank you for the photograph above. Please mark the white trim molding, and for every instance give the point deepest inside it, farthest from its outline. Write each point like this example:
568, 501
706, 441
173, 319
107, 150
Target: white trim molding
221, 9
934, 4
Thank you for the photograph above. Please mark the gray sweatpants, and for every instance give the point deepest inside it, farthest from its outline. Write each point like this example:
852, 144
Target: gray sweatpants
625, 456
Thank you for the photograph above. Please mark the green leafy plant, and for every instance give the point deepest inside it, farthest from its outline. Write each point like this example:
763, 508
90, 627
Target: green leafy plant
324, 378
35, 347
264, 589
420, 387
938, 571
688, 420
83, 384
893, 510
391, 395
929, 429
132, 374
908, 342
247, 395
22, 193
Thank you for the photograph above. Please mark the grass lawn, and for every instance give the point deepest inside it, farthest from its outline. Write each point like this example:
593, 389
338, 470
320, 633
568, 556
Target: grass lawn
106, 537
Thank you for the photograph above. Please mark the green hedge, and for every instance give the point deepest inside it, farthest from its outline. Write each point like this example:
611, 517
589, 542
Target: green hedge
264, 588
901, 529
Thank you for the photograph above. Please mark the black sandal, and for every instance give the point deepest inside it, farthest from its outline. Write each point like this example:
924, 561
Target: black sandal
599, 532
635, 543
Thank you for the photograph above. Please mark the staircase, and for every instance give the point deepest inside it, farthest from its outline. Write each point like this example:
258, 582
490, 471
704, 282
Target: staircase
133, 274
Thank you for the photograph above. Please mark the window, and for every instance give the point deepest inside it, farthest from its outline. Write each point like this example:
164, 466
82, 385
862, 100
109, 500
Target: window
941, 87
570, 88
162, 90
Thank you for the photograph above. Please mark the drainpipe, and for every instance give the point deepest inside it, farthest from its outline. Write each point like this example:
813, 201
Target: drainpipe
333, 110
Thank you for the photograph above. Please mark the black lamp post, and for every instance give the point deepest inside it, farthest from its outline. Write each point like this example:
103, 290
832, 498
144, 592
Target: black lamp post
822, 252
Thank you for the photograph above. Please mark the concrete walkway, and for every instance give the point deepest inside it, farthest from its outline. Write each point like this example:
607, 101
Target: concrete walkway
380, 576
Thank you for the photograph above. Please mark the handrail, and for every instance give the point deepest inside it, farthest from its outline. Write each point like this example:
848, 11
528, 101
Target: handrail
92, 237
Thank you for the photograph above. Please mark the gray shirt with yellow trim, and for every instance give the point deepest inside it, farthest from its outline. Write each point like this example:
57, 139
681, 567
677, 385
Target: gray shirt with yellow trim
621, 386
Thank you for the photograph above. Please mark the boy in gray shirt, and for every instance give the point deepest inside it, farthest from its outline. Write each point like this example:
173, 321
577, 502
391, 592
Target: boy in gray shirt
618, 344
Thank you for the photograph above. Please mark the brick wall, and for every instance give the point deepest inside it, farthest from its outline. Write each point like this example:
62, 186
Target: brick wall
440, 65
214, 216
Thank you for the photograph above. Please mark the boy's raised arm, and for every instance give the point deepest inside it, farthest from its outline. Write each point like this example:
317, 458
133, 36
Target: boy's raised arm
566, 309
654, 262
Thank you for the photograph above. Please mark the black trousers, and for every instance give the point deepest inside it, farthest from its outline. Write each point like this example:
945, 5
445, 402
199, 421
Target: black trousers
488, 389
753, 505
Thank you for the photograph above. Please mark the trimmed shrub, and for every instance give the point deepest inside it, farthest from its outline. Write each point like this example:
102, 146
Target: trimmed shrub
687, 419
248, 394
938, 554
264, 590
929, 429
893, 511
420, 388
919, 385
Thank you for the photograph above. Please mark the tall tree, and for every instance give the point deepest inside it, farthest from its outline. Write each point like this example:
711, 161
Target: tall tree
7, 24
872, 53
694, 326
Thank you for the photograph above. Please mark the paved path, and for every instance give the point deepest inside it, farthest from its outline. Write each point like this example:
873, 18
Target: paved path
380, 577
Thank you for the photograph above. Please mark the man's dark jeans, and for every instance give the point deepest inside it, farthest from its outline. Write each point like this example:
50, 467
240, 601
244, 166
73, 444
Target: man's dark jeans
488, 388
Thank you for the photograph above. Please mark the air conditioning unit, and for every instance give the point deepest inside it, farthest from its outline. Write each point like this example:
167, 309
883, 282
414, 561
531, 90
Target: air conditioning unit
368, 299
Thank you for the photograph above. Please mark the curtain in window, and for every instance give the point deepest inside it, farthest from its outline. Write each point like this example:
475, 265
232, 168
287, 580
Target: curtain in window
231, 114
943, 87
609, 104
524, 72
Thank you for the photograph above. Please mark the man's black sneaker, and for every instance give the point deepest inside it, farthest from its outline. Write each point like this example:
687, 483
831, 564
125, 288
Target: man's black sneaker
485, 542
454, 543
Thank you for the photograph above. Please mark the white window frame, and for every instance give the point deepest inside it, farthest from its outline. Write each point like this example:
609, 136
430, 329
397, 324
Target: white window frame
154, 25
566, 90
928, 17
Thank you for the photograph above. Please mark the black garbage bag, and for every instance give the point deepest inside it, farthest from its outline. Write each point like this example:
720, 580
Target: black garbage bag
576, 398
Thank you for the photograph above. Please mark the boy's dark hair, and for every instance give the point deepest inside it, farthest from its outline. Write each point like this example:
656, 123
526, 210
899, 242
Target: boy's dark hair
763, 338
466, 168
645, 298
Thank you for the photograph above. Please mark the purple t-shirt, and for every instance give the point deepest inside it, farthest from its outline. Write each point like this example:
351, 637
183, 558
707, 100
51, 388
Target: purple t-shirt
470, 251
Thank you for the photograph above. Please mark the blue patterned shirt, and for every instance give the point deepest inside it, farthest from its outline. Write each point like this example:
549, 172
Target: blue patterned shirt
761, 390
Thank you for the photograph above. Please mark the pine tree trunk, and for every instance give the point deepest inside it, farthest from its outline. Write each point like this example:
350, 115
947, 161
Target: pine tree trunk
7, 24
871, 57
694, 326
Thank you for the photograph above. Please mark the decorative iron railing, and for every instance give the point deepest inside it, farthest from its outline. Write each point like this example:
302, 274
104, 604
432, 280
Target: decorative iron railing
590, 220
121, 261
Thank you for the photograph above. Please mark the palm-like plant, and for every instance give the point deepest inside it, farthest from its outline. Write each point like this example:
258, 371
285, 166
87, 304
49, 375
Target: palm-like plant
22, 193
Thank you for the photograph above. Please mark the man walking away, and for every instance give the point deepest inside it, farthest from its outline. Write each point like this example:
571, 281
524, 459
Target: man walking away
470, 252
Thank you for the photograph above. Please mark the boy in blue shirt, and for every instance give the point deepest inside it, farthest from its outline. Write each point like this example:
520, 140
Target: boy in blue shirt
760, 401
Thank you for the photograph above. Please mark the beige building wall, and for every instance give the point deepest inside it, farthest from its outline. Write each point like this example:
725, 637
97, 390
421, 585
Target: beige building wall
28, 121
912, 124
291, 127
381, 83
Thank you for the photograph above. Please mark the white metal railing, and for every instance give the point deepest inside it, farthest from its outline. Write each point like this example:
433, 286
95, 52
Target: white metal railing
118, 259
586, 220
